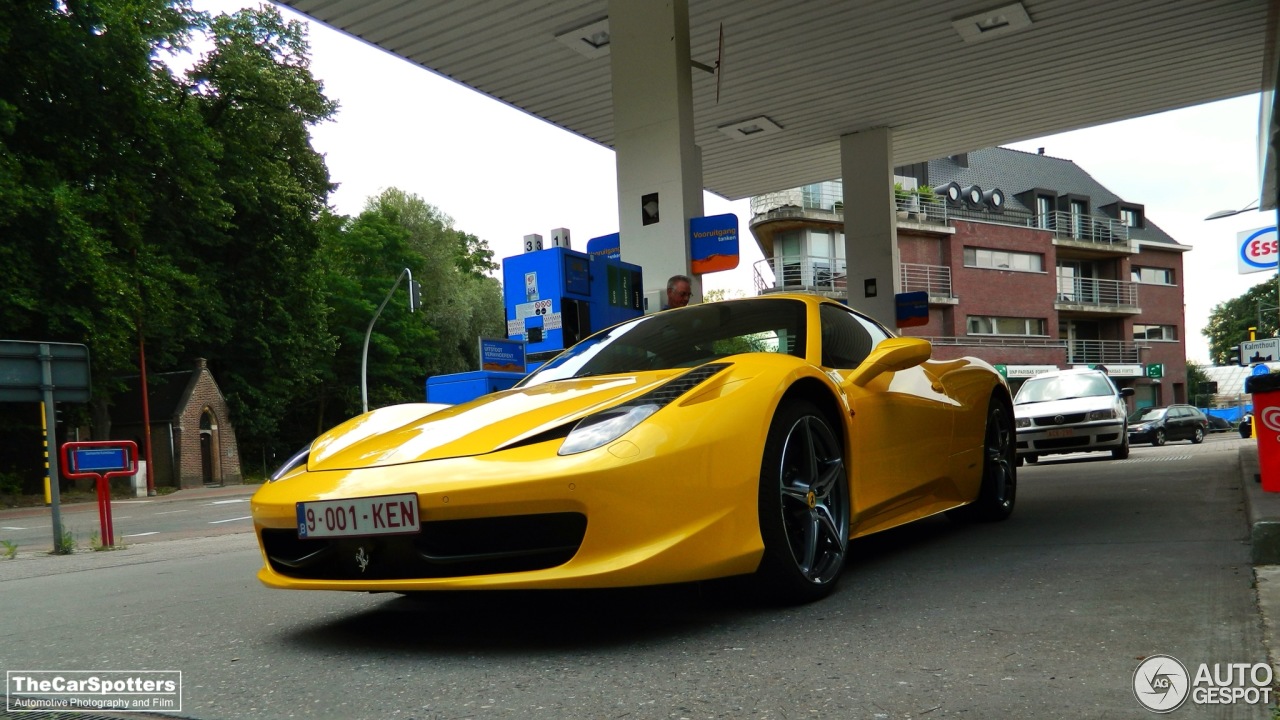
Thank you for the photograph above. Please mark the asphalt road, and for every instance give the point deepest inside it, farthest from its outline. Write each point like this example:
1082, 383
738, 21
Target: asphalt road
1046, 615
139, 520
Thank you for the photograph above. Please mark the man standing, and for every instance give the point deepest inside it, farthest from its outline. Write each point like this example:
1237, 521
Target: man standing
679, 289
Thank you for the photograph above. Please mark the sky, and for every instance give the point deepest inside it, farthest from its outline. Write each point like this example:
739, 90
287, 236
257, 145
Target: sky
501, 174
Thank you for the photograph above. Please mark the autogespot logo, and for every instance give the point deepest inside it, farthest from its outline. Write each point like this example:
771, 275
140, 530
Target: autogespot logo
1161, 683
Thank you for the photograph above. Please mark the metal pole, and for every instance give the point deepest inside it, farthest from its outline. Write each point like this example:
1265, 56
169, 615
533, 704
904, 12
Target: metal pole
146, 413
51, 439
364, 354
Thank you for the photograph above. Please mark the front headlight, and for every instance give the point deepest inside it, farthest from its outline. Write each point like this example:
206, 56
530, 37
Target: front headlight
1022, 422
295, 460
606, 426
595, 430
1108, 414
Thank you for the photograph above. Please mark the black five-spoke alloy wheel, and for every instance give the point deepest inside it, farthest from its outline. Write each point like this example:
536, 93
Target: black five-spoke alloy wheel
804, 506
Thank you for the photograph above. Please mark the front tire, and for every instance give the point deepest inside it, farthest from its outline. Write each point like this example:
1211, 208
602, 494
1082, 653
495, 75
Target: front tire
999, 488
1122, 452
1158, 438
803, 505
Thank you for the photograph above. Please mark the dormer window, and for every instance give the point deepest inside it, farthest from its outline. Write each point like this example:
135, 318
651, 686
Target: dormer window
1130, 217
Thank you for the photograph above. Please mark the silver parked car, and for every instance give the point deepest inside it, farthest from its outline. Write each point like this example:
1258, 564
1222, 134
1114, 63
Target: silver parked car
1066, 411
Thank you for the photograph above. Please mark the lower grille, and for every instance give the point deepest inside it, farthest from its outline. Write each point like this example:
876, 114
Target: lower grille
1052, 420
1059, 443
442, 548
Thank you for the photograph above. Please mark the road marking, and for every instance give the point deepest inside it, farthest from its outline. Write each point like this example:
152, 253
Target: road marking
171, 512
129, 502
11, 528
154, 532
216, 522
1163, 458
228, 502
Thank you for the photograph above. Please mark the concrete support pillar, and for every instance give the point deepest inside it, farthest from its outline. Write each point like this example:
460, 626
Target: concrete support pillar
870, 223
653, 137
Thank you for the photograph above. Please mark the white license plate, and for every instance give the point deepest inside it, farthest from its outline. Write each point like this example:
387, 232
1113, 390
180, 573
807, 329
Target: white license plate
358, 517
1061, 432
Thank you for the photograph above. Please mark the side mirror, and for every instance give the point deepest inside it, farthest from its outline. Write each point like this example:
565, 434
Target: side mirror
891, 355
1126, 392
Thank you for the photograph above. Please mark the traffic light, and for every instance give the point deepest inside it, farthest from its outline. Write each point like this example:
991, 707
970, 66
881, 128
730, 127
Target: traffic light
1253, 333
415, 295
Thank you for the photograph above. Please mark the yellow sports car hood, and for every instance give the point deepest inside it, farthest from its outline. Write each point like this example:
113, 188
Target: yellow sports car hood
413, 433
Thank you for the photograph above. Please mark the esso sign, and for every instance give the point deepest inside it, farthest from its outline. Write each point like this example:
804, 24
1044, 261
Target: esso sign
1259, 249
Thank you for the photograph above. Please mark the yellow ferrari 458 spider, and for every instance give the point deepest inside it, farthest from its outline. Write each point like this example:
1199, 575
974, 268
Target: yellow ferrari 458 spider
744, 437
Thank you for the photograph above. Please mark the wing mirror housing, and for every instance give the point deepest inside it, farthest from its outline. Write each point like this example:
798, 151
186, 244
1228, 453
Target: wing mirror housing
891, 355
1126, 392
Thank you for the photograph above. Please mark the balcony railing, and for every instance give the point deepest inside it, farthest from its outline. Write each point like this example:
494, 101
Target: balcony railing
1088, 291
828, 197
933, 279
800, 272
1093, 352
1005, 341
813, 272
1083, 228
922, 208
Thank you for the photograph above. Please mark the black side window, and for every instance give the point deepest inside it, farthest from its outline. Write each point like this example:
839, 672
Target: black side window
847, 338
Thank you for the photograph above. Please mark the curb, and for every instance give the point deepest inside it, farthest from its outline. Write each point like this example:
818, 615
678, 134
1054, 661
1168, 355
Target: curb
1263, 509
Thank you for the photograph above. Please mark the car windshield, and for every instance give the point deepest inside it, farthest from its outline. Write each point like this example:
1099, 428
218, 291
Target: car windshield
1147, 414
683, 338
1063, 387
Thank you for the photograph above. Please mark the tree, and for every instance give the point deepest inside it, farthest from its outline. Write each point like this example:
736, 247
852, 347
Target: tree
263, 307
101, 165
1229, 322
361, 259
1197, 388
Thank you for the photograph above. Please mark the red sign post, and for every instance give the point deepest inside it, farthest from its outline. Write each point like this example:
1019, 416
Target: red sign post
101, 460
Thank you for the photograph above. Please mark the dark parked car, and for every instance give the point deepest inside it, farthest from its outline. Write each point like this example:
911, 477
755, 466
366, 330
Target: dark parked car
1156, 425
1217, 424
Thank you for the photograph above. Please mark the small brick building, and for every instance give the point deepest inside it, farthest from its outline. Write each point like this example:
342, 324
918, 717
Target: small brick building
192, 440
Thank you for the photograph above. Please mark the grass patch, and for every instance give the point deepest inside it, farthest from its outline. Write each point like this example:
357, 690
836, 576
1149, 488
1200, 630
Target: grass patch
66, 544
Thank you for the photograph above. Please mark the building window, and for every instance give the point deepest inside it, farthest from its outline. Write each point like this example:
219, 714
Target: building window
1003, 260
1158, 333
1129, 217
1044, 212
990, 325
1077, 218
1152, 275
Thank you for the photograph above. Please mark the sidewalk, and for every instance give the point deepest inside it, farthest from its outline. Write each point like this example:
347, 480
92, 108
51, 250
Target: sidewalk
1263, 512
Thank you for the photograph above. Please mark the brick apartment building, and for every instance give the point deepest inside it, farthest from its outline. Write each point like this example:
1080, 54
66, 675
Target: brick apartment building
1028, 263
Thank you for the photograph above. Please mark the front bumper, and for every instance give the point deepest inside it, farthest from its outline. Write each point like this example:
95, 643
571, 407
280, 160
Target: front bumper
1083, 437
527, 518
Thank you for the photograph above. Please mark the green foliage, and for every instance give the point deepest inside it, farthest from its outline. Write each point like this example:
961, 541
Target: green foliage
66, 544
362, 258
1196, 377
901, 194
10, 483
1229, 322
10, 549
192, 213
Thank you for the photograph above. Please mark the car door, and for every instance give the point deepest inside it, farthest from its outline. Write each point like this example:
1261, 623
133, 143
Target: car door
901, 430
1183, 424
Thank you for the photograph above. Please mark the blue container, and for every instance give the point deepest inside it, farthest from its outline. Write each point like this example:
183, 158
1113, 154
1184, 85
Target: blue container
463, 387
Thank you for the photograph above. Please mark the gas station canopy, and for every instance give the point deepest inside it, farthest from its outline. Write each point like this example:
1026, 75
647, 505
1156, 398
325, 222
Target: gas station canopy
793, 77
